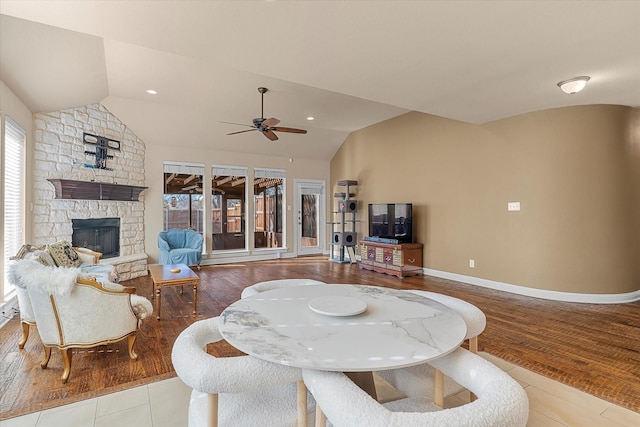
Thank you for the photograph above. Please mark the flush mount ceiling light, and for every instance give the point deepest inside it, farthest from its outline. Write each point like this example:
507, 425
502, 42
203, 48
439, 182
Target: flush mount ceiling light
574, 85
151, 92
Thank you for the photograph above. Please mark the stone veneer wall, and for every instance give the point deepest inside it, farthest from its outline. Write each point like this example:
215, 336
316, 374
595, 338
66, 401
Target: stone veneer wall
59, 152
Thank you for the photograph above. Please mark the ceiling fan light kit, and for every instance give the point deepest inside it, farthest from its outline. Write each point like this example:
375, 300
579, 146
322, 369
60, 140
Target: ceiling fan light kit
574, 85
266, 126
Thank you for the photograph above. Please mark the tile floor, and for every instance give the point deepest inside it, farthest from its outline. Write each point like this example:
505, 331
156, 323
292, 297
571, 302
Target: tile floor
165, 403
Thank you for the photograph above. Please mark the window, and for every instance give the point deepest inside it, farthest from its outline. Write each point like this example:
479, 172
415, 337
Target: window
183, 198
228, 200
13, 192
268, 190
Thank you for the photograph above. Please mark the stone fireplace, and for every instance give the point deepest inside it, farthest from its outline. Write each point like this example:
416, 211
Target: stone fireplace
98, 234
60, 153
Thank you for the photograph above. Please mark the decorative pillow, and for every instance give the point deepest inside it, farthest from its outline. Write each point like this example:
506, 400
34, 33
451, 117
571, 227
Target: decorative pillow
141, 307
63, 254
42, 257
25, 251
114, 276
85, 258
88, 256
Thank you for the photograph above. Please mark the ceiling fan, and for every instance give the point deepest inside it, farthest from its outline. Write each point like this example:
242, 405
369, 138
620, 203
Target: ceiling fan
266, 126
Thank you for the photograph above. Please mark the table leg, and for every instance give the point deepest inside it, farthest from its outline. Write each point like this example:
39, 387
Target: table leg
158, 301
302, 404
195, 297
212, 412
321, 420
364, 380
438, 393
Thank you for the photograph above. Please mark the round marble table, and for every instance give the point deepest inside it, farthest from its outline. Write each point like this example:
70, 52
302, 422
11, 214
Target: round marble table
300, 326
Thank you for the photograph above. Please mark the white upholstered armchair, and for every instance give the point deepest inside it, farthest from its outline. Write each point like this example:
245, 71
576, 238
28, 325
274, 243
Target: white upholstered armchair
89, 265
75, 312
27, 318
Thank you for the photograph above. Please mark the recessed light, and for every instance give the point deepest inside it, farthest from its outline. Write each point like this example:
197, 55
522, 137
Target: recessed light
311, 118
152, 92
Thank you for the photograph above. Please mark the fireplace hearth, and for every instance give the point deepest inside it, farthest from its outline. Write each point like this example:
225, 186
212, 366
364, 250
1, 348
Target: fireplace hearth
98, 234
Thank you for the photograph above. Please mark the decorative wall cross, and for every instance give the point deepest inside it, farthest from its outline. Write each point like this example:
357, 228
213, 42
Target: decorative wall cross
102, 144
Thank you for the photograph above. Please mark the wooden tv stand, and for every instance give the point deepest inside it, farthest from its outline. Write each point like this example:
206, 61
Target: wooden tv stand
402, 259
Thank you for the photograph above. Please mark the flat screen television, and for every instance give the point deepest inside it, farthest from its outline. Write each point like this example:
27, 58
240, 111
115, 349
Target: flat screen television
391, 221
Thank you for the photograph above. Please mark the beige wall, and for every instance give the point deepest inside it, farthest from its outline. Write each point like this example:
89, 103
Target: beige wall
156, 155
573, 170
633, 157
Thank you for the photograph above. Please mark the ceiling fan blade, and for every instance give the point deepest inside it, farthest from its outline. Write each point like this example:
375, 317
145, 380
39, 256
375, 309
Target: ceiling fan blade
272, 136
239, 124
290, 130
242, 131
270, 122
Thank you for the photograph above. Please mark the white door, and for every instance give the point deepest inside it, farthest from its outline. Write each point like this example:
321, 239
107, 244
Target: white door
310, 216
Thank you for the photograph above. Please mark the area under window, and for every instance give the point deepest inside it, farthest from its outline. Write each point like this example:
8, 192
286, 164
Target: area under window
183, 199
228, 207
268, 191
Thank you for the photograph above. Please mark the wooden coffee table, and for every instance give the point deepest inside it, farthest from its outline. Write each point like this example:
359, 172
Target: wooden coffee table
173, 275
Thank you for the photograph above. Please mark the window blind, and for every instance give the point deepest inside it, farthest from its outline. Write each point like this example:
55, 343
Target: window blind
13, 188
269, 173
186, 168
229, 170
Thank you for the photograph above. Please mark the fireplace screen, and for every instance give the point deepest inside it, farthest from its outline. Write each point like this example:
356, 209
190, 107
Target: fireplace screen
99, 234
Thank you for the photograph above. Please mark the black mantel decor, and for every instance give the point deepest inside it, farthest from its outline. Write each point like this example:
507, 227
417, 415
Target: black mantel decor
91, 190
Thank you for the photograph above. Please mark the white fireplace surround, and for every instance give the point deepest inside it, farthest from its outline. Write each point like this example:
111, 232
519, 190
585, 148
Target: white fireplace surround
59, 152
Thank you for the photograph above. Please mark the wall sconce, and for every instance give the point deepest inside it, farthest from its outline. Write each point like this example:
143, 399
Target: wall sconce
574, 85
174, 201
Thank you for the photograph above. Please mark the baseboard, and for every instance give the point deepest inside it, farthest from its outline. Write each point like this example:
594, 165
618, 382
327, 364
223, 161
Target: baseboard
245, 256
538, 293
8, 310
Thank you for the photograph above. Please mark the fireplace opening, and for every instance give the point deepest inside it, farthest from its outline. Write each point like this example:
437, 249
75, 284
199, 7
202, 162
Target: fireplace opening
98, 234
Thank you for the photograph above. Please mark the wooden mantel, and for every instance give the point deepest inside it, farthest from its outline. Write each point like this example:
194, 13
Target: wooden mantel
91, 190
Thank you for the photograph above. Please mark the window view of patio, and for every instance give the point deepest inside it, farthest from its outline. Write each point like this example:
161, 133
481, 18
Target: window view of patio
228, 197
183, 202
267, 201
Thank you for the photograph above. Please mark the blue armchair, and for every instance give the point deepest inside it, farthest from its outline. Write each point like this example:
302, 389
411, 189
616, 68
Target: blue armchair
180, 247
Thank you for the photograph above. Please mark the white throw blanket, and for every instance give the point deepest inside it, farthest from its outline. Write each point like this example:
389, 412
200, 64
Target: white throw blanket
55, 280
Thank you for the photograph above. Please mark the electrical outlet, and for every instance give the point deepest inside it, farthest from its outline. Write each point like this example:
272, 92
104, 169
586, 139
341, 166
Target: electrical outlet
472, 263
513, 206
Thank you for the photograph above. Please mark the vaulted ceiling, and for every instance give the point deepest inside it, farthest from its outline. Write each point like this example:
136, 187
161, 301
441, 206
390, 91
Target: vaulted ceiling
349, 64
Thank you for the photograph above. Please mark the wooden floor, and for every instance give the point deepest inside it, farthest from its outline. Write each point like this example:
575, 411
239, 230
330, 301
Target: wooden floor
595, 348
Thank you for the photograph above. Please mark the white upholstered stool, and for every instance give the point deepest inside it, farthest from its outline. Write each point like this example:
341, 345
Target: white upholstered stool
236, 391
501, 400
421, 379
473, 317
